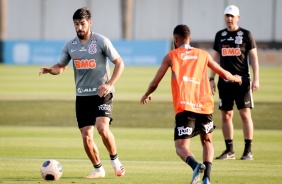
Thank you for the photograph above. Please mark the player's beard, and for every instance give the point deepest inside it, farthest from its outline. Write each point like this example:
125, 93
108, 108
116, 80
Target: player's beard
82, 35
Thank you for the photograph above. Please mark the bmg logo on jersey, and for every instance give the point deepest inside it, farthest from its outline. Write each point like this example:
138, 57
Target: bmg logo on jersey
184, 131
230, 51
105, 107
85, 64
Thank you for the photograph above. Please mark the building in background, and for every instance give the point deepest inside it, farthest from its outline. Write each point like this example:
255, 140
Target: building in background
31, 24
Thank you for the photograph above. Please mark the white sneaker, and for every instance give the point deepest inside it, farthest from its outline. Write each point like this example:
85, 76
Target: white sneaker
97, 173
118, 168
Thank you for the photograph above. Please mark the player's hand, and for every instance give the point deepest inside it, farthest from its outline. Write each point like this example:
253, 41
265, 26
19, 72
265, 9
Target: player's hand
104, 90
213, 86
145, 99
45, 70
255, 85
238, 79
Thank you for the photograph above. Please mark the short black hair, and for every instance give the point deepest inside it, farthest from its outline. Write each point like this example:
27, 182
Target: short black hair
182, 31
82, 13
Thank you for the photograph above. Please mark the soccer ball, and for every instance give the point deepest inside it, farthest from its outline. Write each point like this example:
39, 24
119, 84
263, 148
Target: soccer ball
51, 170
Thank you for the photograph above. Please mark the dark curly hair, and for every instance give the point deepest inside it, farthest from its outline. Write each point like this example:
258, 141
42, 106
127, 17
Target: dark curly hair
182, 31
82, 13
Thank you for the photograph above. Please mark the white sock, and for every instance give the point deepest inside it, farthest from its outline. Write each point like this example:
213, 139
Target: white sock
115, 162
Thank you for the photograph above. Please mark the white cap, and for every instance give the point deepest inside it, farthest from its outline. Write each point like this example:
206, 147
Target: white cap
232, 10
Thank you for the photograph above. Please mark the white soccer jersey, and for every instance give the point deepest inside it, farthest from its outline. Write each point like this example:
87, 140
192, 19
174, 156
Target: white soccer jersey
90, 62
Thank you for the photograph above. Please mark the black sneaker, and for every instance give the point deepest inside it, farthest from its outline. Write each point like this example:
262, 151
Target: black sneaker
247, 155
226, 155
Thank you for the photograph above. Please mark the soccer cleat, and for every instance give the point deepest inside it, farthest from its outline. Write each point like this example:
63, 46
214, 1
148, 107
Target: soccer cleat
97, 173
226, 155
206, 181
200, 168
247, 155
118, 168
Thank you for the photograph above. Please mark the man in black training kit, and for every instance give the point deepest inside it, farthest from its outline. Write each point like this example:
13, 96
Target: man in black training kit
89, 53
235, 49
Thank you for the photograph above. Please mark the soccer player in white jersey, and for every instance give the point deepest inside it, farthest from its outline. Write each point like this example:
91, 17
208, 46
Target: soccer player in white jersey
89, 53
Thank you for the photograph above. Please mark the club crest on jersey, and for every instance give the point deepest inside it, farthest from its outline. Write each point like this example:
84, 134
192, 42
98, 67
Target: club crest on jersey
238, 39
224, 33
92, 48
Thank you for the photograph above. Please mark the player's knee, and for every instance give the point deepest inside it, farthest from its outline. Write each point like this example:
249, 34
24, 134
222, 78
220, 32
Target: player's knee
103, 131
206, 140
87, 139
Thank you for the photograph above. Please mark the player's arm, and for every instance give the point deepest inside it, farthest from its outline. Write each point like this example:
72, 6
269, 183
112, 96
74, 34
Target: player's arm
221, 72
216, 58
60, 66
54, 70
104, 89
118, 69
166, 63
255, 67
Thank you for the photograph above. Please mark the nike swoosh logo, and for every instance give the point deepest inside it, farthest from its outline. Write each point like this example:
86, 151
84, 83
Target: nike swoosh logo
73, 50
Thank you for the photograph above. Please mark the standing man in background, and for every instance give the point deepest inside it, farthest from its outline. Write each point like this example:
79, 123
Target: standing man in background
89, 52
192, 98
235, 49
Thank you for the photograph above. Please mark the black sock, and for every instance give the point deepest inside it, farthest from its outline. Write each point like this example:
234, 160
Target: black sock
113, 157
248, 145
190, 160
229, 145
207, 172
98, 166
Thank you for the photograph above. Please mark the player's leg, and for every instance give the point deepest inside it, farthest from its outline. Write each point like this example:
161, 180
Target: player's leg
226, 106
208, 153
102, 124
184, 130
92, 152
228, 133
248, 126
248, 129
103, 120
244, 102
227, 129
183, 151
85, 120
206, 127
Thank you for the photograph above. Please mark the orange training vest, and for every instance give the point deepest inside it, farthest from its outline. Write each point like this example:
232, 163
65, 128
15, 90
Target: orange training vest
189, 81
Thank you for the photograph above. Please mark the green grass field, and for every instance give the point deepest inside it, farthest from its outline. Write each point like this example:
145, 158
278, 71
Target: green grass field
37, 122
147, 154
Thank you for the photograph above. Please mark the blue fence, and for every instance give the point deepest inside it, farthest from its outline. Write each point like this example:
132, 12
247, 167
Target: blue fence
29, 52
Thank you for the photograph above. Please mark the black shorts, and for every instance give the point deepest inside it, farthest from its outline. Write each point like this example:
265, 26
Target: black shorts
230, 92
189, 124
88, 108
